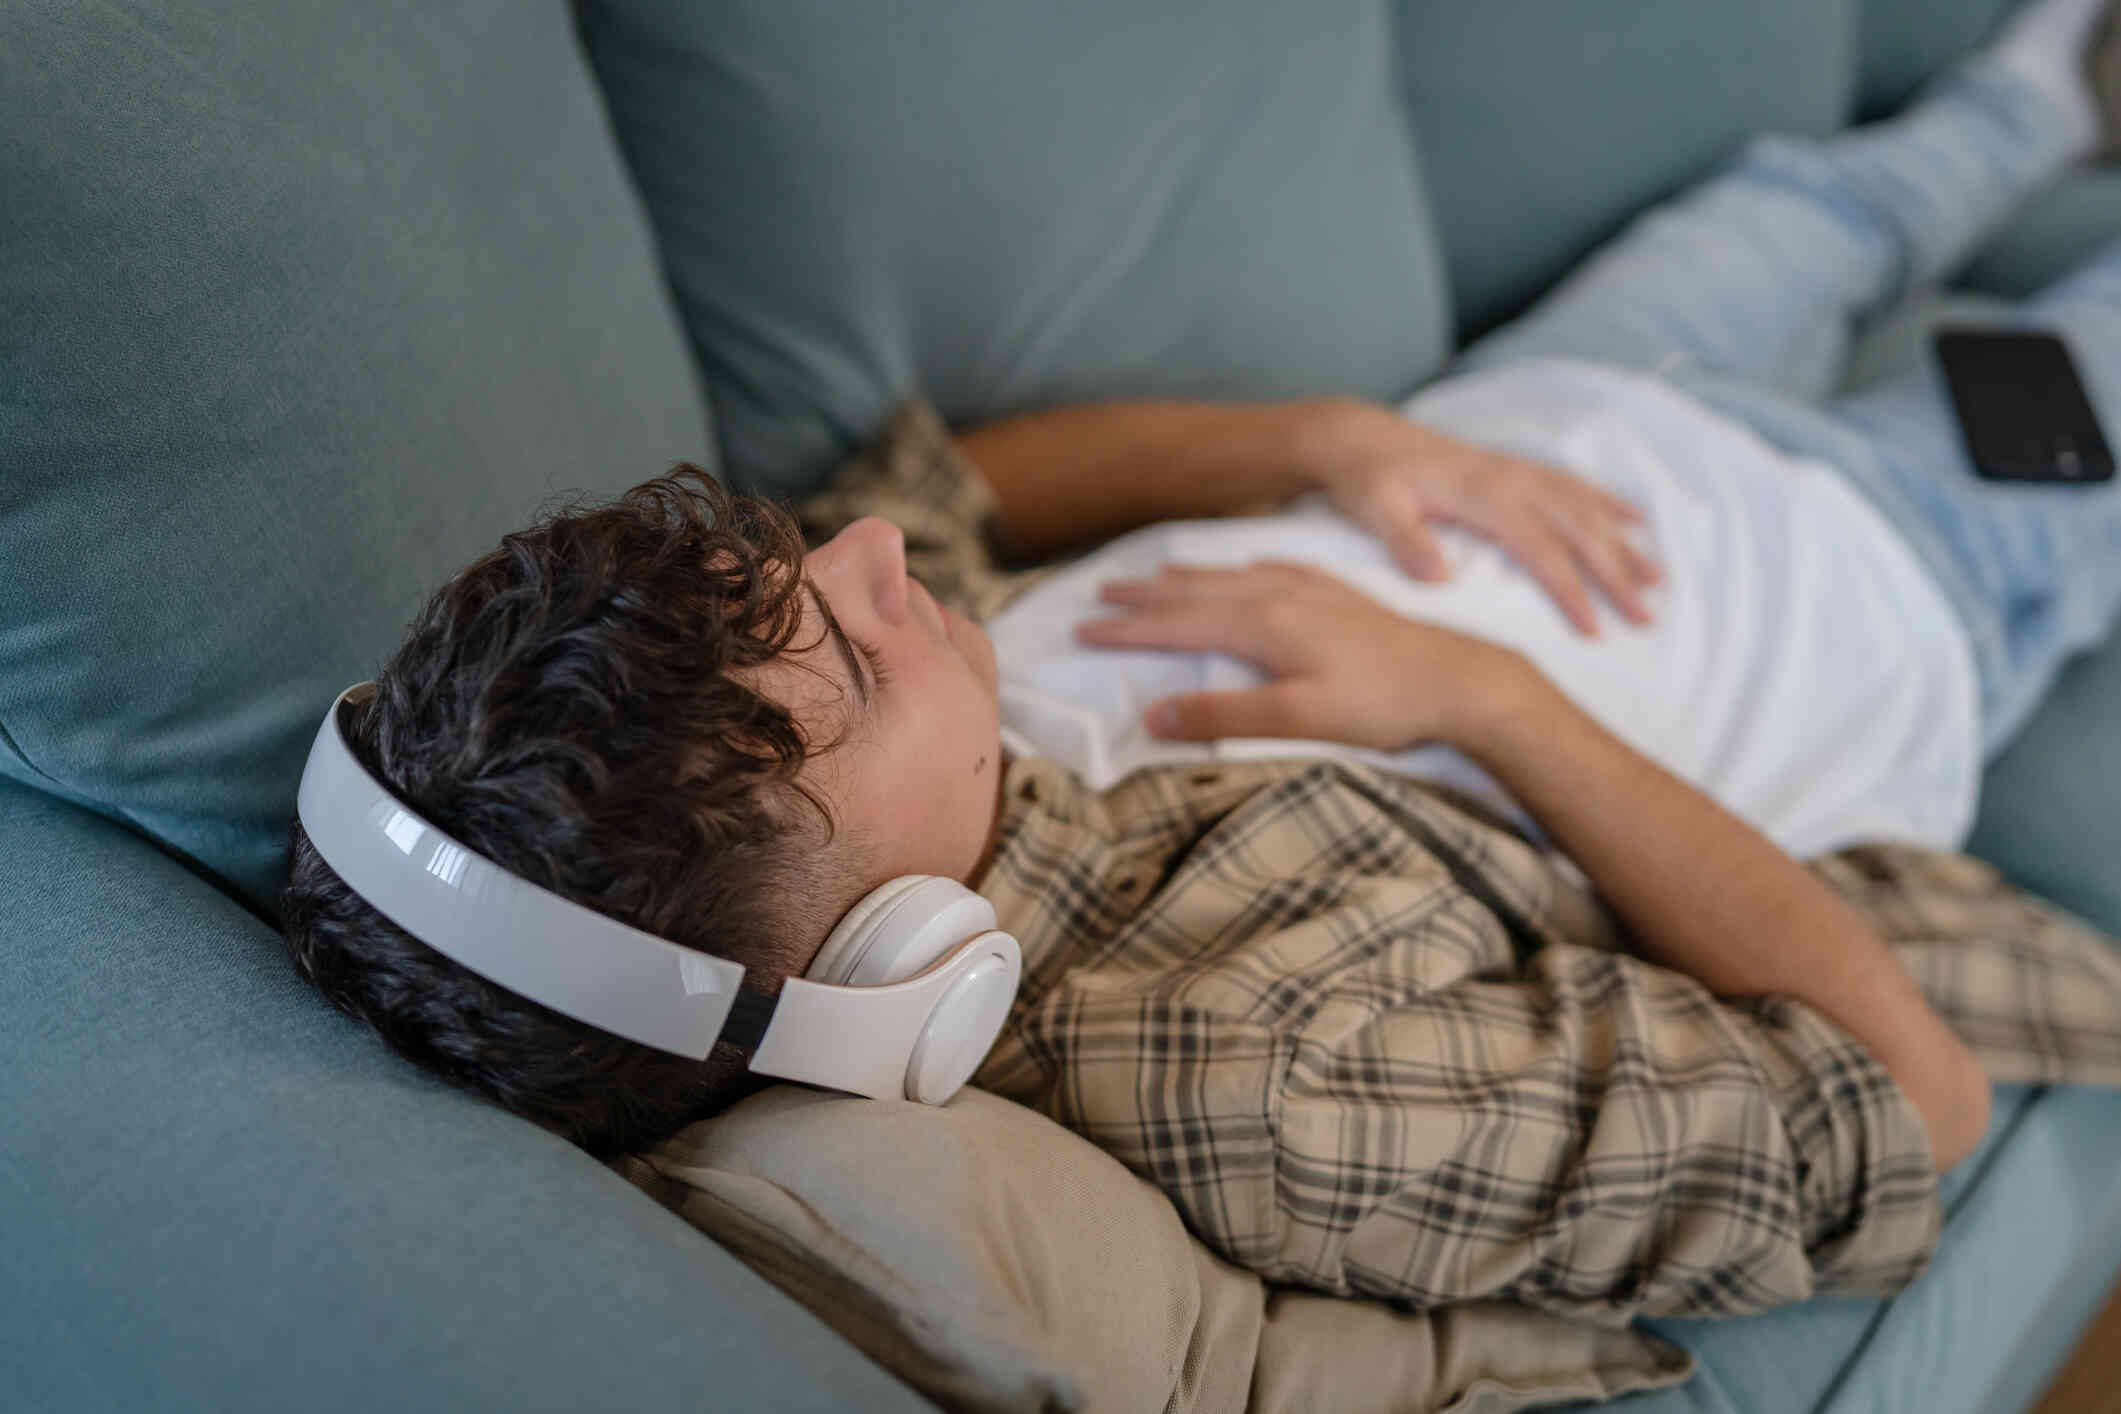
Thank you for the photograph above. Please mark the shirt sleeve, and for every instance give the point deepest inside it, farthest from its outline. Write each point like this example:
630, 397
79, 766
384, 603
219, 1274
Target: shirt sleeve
1584, 1132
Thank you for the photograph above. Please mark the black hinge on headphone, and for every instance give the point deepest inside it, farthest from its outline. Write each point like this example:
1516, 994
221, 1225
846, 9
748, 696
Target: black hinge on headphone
749, 1016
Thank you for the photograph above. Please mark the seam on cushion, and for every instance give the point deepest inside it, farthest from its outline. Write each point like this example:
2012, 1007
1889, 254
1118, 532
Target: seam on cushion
7, 739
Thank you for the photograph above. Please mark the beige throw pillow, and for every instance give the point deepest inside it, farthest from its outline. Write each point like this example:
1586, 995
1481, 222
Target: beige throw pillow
996, 1261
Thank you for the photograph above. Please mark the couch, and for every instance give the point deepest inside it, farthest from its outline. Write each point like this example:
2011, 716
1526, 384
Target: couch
303, 305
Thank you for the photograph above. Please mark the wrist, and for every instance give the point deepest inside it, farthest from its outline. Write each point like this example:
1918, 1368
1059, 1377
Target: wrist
1327, 437
1510, 704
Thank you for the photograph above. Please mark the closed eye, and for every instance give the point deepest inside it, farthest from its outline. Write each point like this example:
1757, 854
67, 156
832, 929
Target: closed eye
865, 686
875, 659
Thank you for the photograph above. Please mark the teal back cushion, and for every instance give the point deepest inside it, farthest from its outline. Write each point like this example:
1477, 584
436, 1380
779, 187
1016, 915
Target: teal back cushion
1011, 203
302, 306
1902, 42
1544, 126
2051, 802
218, 1194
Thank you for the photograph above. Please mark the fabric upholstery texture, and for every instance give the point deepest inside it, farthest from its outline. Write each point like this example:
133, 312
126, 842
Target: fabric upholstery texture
302, 306
1011, 206
296, 319
1544, 127
2060, 227
1900, 43
220, 1194
2051, 809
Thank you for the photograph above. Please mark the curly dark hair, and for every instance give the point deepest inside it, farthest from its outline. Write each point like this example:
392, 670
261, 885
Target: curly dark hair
575, 706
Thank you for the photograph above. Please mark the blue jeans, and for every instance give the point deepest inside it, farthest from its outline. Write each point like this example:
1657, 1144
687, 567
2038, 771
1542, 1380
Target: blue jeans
1744, 292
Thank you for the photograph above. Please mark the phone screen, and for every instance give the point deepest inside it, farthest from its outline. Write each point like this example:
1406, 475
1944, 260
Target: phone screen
2022, 408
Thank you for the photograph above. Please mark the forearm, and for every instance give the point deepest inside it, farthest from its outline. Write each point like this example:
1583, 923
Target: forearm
1706, 894
1074, 474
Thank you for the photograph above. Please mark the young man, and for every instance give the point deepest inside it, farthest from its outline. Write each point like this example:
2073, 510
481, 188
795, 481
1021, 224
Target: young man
1369, 1037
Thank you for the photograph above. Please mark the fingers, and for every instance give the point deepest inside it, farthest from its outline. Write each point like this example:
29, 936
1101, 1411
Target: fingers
1569, 532
1560, 488
1417, 552
1176, 583
1643, 568
1266, 613
1568, 559
1179, 584
1396, 515
1616, 574
1276, 710
1610, 502
1163, 621
1571, 535
1614, 563
1553, 563
1585, 513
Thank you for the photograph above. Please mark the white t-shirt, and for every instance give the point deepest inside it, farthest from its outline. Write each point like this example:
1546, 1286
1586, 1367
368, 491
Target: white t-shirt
1801, 667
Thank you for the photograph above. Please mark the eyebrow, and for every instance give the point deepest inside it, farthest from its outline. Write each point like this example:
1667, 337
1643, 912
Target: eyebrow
839, 636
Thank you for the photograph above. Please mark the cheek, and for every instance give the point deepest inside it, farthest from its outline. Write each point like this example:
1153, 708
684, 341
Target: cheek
964, 718
977, 651
980, 652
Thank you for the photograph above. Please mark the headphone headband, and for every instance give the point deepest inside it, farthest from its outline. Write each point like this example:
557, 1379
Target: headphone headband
917, 1038
503, 927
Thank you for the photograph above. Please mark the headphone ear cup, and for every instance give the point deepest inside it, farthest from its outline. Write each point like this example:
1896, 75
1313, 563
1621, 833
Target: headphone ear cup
899, 931
920, 929
851, 936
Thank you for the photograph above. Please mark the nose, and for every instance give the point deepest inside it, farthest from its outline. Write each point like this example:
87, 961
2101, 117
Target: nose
875, 552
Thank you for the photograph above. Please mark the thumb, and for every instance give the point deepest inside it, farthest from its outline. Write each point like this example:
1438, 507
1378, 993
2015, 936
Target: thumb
1403, 526
1206, 716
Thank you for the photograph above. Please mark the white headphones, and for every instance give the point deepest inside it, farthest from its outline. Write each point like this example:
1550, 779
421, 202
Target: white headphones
904, 1000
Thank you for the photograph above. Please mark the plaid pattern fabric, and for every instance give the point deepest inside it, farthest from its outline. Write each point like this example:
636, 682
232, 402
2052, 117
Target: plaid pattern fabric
1371, 1045
1374, 1043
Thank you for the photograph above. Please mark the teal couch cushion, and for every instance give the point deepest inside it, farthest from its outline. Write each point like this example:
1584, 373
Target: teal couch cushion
2051, 802
303, 305
218, 1194
1010, 206
2071, 219
1544, 127
1900, 43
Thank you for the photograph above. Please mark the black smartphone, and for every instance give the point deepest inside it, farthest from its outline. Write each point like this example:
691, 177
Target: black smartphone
2022, 408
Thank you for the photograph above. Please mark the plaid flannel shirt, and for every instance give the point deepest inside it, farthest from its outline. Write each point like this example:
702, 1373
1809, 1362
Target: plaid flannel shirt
1371, 1041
